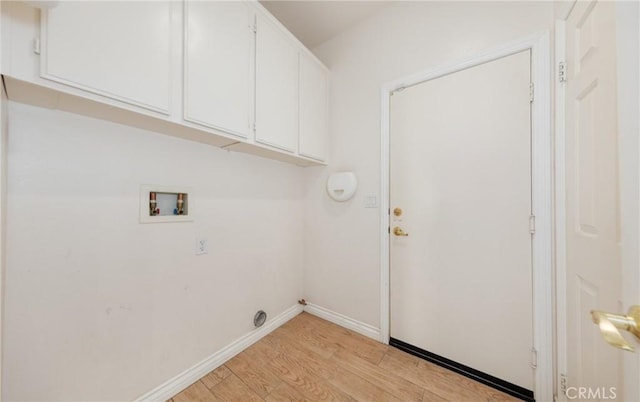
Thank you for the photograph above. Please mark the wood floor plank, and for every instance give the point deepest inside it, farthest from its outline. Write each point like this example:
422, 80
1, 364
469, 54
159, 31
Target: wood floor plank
404, 357
442, 382
306, 378
312, 359
216, 376
342, 338
197, 392
359, 388
284, 392
396, 385
295, 354
233, 389
298, 367
254, 372
491, 394
306, 338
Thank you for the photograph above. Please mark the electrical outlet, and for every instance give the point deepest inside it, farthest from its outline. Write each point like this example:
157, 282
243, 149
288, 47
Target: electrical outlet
202, 246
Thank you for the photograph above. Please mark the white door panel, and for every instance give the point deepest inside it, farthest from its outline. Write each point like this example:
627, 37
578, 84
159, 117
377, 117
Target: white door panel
121, 50
276, 87
314, 109
218, 74
461, 282
592, 221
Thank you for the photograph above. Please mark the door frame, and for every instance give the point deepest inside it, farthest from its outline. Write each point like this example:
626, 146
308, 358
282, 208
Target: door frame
542, 193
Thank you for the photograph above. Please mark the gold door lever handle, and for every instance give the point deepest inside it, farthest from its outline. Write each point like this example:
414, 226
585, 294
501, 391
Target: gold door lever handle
399, 232
611, 324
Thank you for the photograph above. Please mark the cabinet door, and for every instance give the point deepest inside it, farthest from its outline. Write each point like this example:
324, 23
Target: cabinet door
276, 87
118, 49
313, 109
218, 65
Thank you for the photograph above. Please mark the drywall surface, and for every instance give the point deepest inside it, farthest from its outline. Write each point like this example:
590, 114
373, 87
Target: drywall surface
342, 252
102, 308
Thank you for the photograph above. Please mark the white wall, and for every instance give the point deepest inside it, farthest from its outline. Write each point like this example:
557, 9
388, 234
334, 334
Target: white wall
100, 307
342, 263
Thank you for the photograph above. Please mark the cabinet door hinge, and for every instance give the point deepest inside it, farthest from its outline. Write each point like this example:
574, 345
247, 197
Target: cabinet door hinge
36, 46
254, 126
562, 71
534, 358
531, 92
532, 224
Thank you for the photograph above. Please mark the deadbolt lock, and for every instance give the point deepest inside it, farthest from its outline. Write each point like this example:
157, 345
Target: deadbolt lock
397, 211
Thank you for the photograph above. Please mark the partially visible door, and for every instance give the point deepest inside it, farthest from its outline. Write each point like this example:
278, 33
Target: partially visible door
592, 221
460, 187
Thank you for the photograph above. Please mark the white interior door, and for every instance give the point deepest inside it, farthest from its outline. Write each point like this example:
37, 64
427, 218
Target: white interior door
593, 268
460, 171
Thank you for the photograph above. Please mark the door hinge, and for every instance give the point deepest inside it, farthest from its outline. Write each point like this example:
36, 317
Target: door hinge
564, 380
254, 126
389, 229
562, 71
254, 28
36, 46
531, 92
534, 358
532, 224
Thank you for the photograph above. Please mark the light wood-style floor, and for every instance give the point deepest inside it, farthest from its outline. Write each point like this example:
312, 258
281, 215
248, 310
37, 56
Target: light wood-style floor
314, 360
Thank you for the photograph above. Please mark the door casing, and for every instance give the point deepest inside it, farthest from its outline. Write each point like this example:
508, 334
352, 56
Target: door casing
542, 194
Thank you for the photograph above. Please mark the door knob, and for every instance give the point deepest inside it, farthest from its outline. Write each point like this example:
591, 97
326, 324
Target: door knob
611, 324
399, 232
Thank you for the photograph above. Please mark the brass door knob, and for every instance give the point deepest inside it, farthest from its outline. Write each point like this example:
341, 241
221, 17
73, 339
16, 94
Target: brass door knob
611, 324
399, 232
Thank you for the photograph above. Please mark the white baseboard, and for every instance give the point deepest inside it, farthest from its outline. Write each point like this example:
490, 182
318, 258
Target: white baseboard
189, 376
344, 321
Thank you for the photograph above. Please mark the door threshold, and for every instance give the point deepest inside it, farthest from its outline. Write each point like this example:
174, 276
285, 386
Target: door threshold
476, 375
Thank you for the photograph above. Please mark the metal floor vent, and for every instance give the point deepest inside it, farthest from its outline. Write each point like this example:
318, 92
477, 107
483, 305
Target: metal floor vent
259, 318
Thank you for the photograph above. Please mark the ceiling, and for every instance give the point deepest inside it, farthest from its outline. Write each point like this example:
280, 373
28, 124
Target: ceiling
316, 21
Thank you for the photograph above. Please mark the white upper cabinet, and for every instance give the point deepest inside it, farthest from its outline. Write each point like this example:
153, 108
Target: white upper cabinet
314, 105
118, 49
225, 73
276, 87
218, 82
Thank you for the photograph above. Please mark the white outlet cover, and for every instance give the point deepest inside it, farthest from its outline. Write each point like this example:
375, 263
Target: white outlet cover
202, 246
